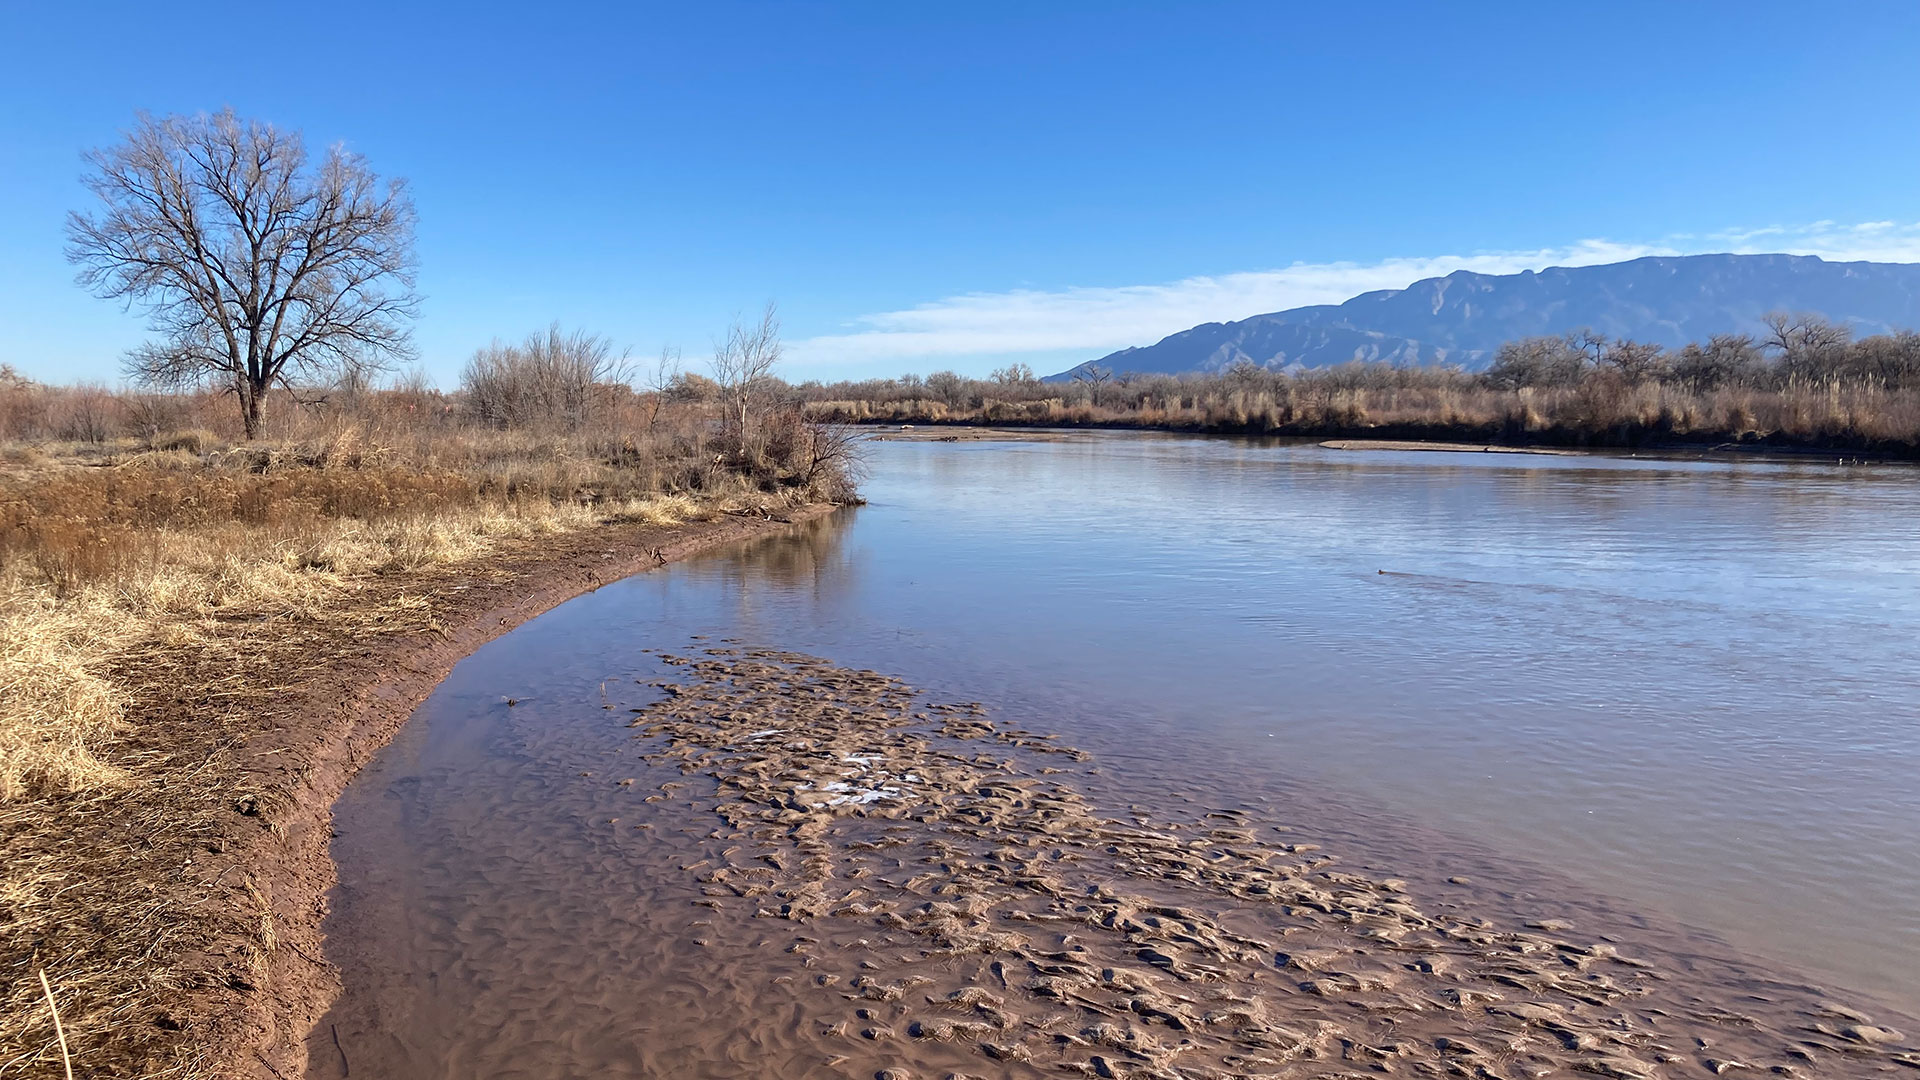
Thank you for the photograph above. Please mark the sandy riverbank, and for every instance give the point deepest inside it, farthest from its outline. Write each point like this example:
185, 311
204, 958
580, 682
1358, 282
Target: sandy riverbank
1445, 447
210, 879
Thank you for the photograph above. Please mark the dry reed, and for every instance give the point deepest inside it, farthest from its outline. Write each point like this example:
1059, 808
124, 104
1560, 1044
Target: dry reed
60, 1032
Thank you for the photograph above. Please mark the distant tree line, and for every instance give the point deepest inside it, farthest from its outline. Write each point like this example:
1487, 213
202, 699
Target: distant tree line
1805, 381
1796, 349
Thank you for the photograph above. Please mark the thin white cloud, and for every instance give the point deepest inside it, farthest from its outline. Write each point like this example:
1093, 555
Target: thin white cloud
1095, 320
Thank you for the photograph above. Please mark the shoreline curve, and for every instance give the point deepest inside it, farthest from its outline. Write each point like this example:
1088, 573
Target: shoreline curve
289, 861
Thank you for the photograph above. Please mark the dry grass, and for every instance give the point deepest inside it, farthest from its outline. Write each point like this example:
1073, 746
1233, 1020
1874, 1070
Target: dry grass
55, 705
95, 558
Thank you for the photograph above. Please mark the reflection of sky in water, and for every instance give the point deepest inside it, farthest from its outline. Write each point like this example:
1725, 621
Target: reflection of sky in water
1688, 684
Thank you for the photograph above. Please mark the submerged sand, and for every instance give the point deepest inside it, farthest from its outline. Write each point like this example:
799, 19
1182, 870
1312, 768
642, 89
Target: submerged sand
957, 904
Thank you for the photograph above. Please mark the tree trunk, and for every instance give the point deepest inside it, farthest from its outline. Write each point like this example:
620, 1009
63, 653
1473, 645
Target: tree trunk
250, 406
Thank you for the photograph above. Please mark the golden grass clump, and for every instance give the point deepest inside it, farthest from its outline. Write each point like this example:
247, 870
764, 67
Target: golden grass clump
55, 705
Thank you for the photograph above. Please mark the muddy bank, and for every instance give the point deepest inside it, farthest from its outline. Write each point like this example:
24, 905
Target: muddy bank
358, 706
800, 869
209, 879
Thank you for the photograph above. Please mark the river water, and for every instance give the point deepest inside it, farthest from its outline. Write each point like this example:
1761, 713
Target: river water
1669, 698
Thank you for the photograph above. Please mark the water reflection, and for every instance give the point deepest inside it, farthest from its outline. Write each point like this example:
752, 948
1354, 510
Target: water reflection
810, 558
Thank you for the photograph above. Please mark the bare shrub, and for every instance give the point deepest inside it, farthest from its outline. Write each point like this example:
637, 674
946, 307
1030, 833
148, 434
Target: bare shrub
1539, 361
554, 379
85, 413
743, 363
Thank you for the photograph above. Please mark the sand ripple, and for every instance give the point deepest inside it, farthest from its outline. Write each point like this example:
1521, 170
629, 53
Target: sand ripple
960, 906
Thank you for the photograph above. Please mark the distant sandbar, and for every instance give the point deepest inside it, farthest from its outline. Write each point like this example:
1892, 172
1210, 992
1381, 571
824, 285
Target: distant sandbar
1453, 447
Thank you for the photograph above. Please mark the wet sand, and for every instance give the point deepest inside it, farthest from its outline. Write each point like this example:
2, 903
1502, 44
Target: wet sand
830, 875
948, 433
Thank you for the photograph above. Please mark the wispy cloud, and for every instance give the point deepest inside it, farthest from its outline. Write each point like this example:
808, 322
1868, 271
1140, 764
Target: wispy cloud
1094, 320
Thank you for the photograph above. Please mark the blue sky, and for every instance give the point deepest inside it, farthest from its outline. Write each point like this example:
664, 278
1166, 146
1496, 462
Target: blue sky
926, 186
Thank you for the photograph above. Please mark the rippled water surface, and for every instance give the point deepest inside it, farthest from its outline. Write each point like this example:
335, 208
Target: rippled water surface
1674, 694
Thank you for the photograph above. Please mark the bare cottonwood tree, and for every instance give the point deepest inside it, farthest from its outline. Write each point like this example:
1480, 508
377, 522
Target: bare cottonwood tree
1725, 360
1589, 341
1538, 361
1095, 378
1637, 361
949, 387
255, 266
1015, 374
743, 364
1810, 346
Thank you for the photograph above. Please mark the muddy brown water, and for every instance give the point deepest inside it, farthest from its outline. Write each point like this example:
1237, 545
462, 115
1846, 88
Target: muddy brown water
1663, 710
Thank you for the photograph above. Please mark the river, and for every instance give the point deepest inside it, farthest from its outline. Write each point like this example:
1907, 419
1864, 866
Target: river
1667, 698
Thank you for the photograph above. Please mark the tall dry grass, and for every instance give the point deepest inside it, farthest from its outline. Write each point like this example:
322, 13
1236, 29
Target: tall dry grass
1601, 408
123, 516
77, 595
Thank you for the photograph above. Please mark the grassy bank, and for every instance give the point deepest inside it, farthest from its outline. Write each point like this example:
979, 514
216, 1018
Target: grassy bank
1831, 394
1838, 420
1834, 417
169, 597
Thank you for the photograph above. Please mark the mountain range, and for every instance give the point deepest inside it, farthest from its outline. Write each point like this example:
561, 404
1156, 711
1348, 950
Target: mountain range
1460, 319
